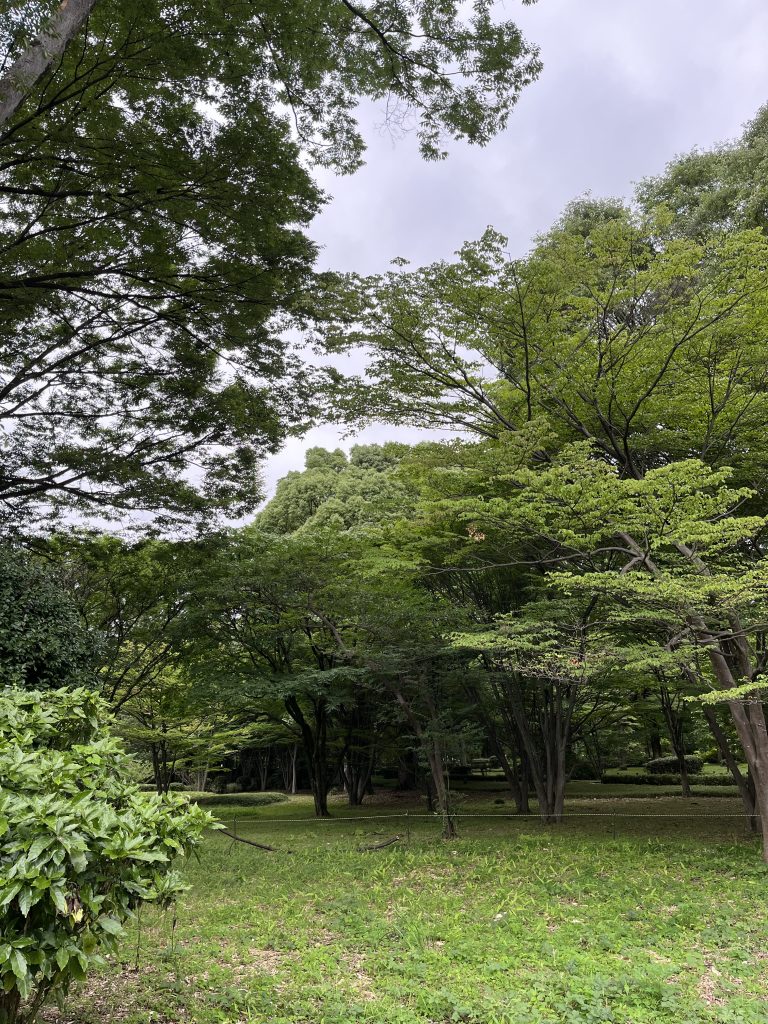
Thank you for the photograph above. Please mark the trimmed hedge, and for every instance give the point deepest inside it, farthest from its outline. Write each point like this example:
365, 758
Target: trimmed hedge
238, 799
667, 779
670, 765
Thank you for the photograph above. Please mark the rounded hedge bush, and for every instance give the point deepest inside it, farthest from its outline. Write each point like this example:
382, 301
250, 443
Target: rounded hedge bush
665, 765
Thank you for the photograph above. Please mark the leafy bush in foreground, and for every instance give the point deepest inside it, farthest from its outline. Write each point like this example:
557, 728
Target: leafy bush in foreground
81, 845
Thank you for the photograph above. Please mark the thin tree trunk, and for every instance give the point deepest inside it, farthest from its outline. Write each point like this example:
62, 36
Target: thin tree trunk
675, 729
509, 768
431, 745
9, 1006
42, 53
407, 771
746, 785
263, 762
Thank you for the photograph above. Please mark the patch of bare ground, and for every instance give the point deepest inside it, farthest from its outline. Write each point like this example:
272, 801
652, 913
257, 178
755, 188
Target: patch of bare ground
263, 961
360, 981
708, 985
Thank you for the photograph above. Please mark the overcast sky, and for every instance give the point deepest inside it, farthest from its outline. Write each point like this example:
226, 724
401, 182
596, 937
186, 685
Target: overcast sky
626, 86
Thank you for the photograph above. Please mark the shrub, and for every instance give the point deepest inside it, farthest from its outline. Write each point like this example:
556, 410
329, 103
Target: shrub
641, 778
583, 770
668, 779
665, 765
710, 756
239, 799
82, 847
233, 787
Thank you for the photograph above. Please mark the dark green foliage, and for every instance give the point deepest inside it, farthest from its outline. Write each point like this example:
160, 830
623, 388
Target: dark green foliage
660, 765
153, 204
582, 770
43, 643
666, 779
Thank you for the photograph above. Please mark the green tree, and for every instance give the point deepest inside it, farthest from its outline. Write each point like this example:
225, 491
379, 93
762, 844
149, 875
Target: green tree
332, 492
133, 596
722, 189
646, 347
43, 643
154, 200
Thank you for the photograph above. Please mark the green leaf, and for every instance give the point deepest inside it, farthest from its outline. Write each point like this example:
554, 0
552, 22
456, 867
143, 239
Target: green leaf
18, 963
110, 925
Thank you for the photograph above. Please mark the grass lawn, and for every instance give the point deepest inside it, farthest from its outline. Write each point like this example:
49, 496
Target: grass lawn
511, 923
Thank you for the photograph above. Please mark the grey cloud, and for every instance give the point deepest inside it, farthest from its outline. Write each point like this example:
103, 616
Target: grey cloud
625, 87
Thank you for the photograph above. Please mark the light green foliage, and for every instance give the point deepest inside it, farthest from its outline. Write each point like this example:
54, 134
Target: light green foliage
339, 494
722, 189
651, 349
81, 846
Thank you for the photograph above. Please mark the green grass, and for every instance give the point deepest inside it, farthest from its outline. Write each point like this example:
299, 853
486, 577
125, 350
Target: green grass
511, 923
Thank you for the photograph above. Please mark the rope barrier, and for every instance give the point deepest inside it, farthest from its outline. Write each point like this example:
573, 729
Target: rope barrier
457, 816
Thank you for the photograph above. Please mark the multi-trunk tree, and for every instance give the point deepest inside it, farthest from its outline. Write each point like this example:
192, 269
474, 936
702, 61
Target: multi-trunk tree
645, 347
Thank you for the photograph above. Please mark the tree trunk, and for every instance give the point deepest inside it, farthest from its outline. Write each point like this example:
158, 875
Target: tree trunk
314, 742
407, 771
509, 767
263, 761
320, 794
41, 55
654, 744
750, 725
9, 1007
731, 661
675, 728
546, 761
432, 747
746, 785
442, 796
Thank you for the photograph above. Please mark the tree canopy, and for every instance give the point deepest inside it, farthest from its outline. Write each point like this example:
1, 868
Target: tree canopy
154, 195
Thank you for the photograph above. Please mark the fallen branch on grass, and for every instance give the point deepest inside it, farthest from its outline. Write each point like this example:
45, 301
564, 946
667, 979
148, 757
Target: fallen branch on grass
250, 842
380, 846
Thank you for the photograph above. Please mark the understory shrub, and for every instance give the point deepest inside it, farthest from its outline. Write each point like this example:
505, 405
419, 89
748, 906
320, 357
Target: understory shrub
665, 765
667, 779
583, 771
82, 846
239, 799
